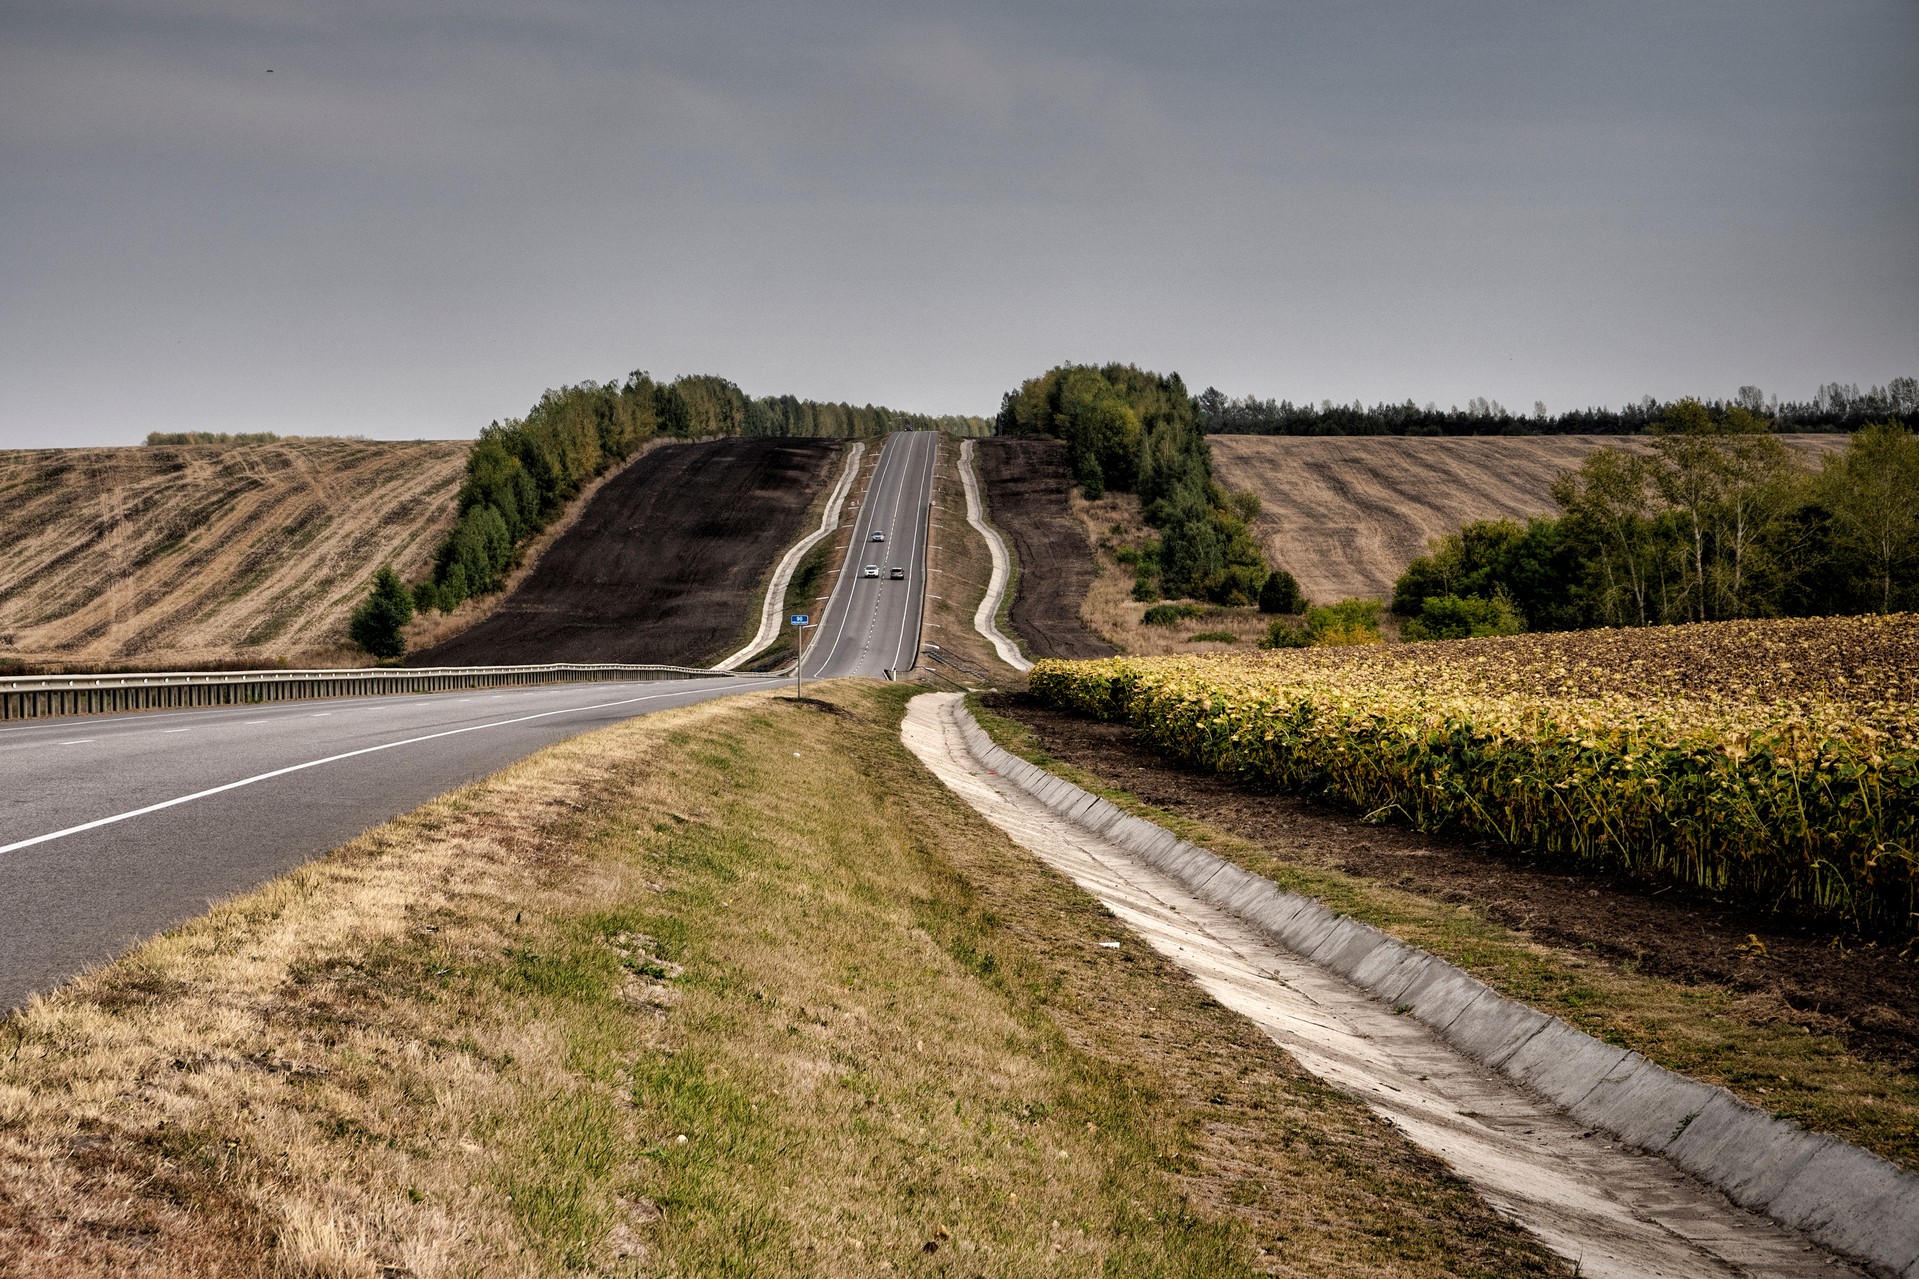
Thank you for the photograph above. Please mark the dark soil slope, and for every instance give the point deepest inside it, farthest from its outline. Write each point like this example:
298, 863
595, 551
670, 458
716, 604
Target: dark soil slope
661, 565
1028, 485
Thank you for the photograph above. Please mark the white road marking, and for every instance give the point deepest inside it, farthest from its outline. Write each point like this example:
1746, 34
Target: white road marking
176, 730
315, 763
81, 742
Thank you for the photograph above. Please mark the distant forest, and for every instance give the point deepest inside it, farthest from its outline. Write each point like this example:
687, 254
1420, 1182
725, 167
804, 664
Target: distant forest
1837, 408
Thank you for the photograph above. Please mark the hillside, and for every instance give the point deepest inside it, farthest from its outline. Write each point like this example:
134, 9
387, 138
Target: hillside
1347, 514
210, 553
661, 564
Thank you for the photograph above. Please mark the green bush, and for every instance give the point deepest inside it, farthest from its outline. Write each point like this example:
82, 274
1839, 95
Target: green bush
1280, 594
1213, 637
1283, 634
1170, 614
1462, 617
1353, 621
377, 623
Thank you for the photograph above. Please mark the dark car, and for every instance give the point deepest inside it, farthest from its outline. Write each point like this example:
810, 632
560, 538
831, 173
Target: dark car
897, 574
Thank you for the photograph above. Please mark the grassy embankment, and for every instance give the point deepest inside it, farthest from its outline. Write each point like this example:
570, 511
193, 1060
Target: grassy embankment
732, 989
1709, 1032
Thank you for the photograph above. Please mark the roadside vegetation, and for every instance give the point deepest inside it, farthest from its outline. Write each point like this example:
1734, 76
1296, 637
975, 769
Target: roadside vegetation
1130, 431
1717, 522
733, 989
1763, 1041
1774, 763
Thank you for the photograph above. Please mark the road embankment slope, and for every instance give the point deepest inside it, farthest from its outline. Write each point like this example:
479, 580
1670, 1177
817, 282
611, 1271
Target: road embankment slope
1028, 499
662, 564
210, 553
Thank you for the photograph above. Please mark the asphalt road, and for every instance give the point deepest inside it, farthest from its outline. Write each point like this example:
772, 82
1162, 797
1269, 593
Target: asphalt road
115, 827
872, 625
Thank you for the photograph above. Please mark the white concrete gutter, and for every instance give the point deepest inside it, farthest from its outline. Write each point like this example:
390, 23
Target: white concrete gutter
773, 608
1842, 1197
986, 615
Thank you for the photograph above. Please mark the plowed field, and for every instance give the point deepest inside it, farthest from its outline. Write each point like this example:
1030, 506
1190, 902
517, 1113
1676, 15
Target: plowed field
210, 553
1028, 498
663, 563
1347, 514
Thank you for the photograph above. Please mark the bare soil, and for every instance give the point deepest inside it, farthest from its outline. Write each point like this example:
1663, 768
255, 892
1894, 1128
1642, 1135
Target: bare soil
210, 554
1346, 514
663, 562
1028, 498
1867, 995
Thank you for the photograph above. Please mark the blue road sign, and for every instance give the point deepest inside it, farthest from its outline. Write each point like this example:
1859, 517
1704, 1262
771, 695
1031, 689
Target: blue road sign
801, 619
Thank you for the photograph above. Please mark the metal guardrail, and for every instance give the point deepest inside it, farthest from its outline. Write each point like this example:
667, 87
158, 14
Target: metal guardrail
41, 696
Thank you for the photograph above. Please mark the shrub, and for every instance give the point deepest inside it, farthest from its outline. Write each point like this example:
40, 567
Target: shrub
1283, 634
1463, 617
1213, 637
1169, 614
377, 623
1280, 594
1348, 622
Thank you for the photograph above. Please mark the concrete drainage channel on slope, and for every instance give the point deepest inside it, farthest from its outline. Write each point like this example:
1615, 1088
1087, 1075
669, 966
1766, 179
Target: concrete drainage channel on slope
1590, 1147
773, 607
986, 615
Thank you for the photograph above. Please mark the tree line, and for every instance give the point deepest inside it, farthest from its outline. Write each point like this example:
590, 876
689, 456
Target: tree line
522, 472
1836, 407
1715, 520
1131, 431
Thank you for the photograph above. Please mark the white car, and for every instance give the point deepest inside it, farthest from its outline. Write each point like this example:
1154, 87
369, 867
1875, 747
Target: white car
877, 536
871, 570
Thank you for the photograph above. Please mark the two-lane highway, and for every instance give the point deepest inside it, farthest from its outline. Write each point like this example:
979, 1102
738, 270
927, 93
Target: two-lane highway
114, 827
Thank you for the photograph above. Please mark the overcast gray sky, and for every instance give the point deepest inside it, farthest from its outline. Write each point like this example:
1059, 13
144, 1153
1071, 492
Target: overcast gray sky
426, 212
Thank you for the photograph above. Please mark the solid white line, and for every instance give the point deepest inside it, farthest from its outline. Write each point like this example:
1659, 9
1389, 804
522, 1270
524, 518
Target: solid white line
176, 730
81, 742
315, 763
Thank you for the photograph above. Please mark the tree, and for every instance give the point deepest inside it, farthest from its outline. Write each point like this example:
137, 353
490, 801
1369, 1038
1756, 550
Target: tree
1280, 594
1870, 490
378, 622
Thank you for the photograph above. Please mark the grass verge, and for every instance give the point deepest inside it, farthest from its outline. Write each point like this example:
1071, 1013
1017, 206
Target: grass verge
1707, 1032
737, 989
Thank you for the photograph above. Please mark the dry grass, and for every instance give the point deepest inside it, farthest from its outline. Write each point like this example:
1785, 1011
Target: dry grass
1347, 514
735, 989
178, 555
1750, 1043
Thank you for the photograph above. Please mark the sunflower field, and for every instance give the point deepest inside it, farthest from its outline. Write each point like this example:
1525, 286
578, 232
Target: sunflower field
1771, 762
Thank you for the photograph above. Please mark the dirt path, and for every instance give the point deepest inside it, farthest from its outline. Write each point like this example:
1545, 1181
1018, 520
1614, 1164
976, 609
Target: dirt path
661, 565
1028, 490
1613, 1212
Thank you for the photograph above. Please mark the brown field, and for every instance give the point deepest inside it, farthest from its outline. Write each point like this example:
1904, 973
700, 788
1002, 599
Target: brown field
1347, 514
209, 553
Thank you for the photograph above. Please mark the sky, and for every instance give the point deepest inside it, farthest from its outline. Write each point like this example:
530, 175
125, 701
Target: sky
406, 218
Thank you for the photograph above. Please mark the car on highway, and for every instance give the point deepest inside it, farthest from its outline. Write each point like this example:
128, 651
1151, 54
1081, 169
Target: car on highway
898, 574
871, 570
877, 536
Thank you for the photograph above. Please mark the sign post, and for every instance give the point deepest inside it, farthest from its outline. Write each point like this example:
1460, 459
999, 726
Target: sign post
800, 621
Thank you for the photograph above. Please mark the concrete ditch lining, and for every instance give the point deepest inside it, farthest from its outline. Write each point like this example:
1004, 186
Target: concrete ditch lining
1843, 1197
